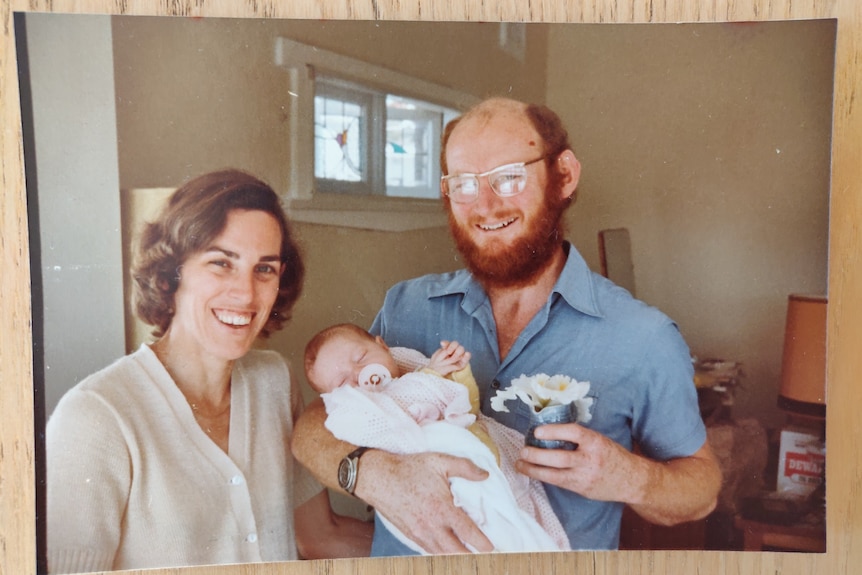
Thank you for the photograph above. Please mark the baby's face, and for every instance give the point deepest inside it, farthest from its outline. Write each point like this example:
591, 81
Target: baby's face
340, 360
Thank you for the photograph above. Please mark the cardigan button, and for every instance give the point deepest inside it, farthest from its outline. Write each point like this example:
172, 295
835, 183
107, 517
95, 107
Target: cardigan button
235, 480
252, 537
495, 384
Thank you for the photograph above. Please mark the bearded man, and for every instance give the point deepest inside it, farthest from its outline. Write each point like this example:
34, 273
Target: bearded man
526, 304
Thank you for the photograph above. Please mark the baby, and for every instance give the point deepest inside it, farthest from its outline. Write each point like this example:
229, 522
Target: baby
337, 355
372, 400
346, 354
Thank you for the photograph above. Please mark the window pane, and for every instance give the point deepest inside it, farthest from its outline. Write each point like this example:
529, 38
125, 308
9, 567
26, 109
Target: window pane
338, 139
370, 142
413, 131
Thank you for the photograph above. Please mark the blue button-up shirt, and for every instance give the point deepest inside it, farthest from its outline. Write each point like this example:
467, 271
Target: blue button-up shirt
638, 366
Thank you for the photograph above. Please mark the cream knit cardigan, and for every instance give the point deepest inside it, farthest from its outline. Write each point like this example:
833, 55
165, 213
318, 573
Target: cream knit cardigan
133, 481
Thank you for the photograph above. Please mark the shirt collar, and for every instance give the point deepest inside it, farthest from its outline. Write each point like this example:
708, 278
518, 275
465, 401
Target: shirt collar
575, 285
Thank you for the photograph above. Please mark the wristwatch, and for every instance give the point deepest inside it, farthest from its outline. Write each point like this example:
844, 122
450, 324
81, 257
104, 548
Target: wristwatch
347, 469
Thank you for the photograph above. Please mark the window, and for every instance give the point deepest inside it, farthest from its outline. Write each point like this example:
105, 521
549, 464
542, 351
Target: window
341, 138
413, 130
363, 137
371, 142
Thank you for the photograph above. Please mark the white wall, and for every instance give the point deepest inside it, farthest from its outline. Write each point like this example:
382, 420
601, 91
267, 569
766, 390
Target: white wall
711, 143
74, 121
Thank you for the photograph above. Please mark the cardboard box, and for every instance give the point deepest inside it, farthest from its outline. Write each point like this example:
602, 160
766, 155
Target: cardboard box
801, 462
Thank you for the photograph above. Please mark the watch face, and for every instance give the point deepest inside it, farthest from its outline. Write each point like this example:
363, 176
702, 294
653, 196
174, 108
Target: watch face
344, 473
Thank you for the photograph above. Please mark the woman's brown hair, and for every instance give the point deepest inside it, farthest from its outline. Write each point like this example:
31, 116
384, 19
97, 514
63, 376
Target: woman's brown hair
192, 218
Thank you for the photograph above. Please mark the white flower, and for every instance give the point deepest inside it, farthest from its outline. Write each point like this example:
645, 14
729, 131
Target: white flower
542, 390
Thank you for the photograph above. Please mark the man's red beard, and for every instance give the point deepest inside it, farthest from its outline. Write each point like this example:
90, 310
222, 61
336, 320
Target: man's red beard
520, 263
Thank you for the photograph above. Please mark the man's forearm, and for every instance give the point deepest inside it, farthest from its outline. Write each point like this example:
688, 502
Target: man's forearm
316, 448
679, 490
412, 491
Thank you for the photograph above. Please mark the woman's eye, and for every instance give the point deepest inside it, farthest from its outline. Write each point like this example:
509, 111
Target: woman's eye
265, 269
220, 263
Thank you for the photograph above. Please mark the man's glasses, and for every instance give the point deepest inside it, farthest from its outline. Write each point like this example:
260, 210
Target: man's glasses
506, 181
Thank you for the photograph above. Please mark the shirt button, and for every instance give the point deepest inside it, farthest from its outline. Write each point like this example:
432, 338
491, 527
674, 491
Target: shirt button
252, 537
495, 384
235, 480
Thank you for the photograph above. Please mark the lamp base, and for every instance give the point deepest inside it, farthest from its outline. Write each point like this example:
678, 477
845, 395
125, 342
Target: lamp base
816, 410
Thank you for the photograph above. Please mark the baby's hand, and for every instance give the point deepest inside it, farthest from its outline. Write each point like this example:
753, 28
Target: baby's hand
450, 357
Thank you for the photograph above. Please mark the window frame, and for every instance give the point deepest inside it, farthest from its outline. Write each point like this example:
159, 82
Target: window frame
302, 62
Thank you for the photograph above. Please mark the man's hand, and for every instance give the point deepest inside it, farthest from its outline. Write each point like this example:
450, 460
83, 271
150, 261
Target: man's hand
598, 469
412, 491
666, 493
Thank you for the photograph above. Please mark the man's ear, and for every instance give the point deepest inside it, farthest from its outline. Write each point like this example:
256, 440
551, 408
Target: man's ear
569, 169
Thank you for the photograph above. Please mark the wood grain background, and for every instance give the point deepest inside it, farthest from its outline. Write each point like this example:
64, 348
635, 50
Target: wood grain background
17, 477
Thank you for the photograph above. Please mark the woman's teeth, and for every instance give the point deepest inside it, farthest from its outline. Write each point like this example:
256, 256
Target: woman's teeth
236, 319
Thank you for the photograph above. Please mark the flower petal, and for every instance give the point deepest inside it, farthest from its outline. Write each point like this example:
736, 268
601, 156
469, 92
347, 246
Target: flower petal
498, 403
541, 390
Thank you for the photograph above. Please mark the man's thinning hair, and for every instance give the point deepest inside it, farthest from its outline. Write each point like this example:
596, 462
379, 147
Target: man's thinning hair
546, 122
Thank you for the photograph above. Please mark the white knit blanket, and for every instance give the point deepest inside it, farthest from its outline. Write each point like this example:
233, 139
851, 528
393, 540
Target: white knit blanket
421, 412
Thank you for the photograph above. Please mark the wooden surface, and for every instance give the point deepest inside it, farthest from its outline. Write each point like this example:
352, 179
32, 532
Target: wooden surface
17, 520
790, 537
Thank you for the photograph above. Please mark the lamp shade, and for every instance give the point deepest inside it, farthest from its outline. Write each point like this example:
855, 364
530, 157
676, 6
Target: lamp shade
803, 366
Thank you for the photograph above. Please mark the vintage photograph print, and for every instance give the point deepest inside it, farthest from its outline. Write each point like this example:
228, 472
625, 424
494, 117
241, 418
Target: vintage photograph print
205, 195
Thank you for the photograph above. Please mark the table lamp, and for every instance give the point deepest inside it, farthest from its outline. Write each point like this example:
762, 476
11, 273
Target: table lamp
803, 367
798, 503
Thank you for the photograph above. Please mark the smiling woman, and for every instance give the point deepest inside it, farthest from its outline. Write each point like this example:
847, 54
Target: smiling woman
191, 223
216, 269
223, 300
